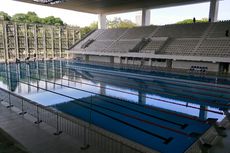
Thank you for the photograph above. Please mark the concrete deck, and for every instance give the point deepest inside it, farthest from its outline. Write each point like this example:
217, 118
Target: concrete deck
223, 145
38, 138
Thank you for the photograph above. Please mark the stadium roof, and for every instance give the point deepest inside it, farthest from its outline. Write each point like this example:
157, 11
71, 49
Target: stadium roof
111, 6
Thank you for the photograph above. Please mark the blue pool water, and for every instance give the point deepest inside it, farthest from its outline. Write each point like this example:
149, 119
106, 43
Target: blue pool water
159, 110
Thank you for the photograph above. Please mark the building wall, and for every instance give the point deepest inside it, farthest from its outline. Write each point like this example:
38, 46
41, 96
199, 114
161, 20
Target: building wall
117, 60
213, 67
99, 58
159, 64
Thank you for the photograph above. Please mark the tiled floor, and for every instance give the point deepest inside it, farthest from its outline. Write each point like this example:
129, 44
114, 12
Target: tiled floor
38, 138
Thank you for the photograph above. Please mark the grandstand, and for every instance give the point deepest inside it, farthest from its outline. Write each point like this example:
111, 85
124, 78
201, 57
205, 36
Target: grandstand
183, 44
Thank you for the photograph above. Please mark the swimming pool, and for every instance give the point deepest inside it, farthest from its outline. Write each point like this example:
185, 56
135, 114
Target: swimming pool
159, 110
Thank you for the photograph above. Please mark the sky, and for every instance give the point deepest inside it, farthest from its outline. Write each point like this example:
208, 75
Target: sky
161, 16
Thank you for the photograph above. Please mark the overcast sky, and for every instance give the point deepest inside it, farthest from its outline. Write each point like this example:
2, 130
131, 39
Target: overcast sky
158, 16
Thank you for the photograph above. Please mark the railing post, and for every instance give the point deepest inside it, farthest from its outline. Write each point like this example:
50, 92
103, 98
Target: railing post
85, 144
91, 99
58, 132
10, 105
22, 108
38, 118
121, 147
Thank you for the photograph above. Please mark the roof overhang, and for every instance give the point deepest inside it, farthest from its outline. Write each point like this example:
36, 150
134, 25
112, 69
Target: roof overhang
114, 6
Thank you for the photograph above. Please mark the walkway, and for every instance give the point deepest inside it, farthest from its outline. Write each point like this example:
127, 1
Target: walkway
223, 145
38, 138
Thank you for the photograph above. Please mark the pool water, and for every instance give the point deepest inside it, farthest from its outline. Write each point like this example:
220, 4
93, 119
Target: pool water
157, 109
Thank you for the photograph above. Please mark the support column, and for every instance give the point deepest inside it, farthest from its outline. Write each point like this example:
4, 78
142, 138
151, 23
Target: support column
52, 39
141, 98
60, 42
44, 42
213, 10
150, 62
6, 42
101, 21
102, 89
67, 43
145, 17
126, 60
203, 113
120, 60
36, 41
26, 42
16, 40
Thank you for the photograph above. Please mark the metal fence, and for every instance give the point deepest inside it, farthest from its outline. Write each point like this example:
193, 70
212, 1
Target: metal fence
87, 133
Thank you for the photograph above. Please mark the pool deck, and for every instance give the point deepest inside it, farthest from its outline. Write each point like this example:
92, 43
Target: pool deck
223, 145
38, 138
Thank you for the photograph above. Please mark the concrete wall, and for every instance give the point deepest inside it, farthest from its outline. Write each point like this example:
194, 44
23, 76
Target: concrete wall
159, 64
117, 60
213, 67
99, 58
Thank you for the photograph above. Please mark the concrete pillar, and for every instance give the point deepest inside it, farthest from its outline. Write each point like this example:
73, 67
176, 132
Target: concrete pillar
120, 60
150, 62
73, 33
67, 43
28, 77
141, 98
126, 60
169, 63
36, 41
213, 10
111, 60
203, 113
87, 58
38, 75
102, 89
7, 67
101, 21
6, 42
145, 17
26, 42
60, 42
44, 42
16, 40
18, 72
52, 39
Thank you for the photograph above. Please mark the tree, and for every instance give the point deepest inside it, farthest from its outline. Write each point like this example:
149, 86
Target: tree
118, 23
51, 20
189, 21
4, 16
19, 17
32, 17
85, 30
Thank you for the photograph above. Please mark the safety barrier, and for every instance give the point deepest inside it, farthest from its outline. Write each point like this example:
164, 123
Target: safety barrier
87, 133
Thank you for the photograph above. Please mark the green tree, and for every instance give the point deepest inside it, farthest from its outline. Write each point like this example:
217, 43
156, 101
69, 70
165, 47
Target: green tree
118, 23
32, 17
19, 17
4, 16
85, 30
51, 20
189, 21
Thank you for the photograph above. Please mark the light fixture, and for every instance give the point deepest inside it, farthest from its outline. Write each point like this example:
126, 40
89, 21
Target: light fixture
49, 1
